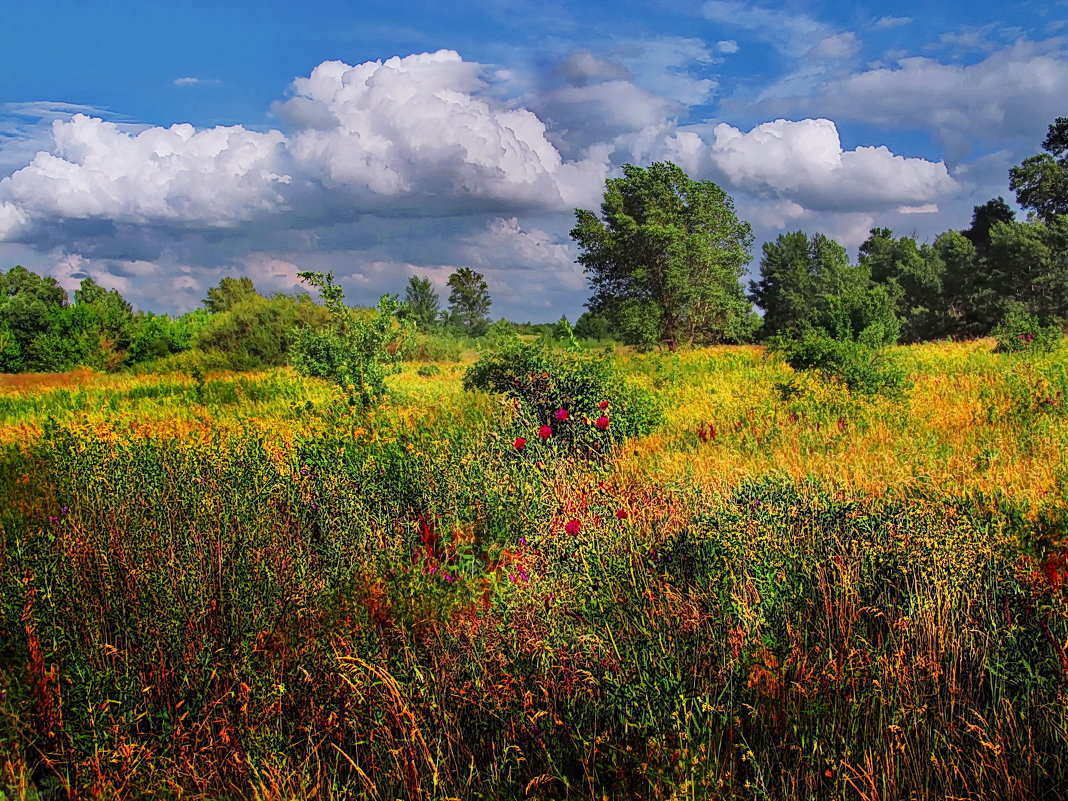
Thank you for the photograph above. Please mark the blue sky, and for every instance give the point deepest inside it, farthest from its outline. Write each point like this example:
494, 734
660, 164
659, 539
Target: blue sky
160, 146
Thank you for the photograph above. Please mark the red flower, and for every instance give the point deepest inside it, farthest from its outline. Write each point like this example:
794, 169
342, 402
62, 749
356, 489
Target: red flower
602, 405
601, 422
519, 443
622, 514
572, 527
561, 415
545, 432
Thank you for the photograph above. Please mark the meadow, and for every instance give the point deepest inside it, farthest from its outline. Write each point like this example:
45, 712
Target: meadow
240, 586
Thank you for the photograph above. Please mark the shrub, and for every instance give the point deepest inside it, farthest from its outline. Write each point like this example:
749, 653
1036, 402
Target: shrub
861, 367
428, 371
574, 402
432, 347
1021, 330
351, 351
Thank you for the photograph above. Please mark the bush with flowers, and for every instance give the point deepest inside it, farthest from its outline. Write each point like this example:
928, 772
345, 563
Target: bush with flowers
572, 401
1020, 330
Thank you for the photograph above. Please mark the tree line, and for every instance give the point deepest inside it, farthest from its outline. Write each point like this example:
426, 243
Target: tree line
664, 259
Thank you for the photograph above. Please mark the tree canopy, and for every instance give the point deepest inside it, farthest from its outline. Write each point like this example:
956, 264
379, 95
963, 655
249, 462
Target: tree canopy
469, 302
665, 257
1041, 182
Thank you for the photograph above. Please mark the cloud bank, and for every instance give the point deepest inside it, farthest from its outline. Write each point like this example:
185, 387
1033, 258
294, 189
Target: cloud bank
419, 165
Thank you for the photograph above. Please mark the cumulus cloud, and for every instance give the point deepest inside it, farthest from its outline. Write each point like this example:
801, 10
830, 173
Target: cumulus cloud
425, 126
804, 162
211, 178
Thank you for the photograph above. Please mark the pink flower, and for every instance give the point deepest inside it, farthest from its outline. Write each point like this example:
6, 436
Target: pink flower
602, 405
572, 527
561, 415
545, 432
601, 422
519, 443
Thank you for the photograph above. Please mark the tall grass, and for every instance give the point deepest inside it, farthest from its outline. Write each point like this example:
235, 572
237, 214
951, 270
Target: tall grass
238, 587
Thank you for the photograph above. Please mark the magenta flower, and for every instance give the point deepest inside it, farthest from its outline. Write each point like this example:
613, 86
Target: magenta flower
601, 422
602, 405
545, 432
561, 415
572, 527
519, 443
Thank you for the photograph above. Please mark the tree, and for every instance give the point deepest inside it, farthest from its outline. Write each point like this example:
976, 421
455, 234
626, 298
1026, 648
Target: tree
984, 218
31, 312
1041, 182
421, 304
469, 302
665, 258
912, 276
1029, 264
796, 274
229, 293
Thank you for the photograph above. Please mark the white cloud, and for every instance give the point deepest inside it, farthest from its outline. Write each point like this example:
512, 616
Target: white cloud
727, 46
838, 46
1014, 92
804, 162
886, 23
212, 178
793, 34
424, 126
189, 81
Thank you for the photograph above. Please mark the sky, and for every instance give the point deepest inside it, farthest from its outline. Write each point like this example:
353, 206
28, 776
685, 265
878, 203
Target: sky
158, 147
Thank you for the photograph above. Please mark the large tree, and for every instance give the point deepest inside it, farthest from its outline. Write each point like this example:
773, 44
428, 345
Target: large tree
1041, 182
665, 257
469, 302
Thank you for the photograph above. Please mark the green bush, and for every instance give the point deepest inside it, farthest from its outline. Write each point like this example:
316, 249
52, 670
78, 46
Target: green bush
862, 368
428, 371
432, 347
1021, 330
586, 405
351, 350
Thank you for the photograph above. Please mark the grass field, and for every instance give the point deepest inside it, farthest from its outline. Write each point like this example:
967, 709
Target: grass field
239, 586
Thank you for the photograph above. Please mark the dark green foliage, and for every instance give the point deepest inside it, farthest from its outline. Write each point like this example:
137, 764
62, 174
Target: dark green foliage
912, 276
421, 304
809, 284
986, 217
469, 302
351, 350
31, 310
1029, 263
542, 383
1022, 331
664, 259
1041, 182
593, 326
